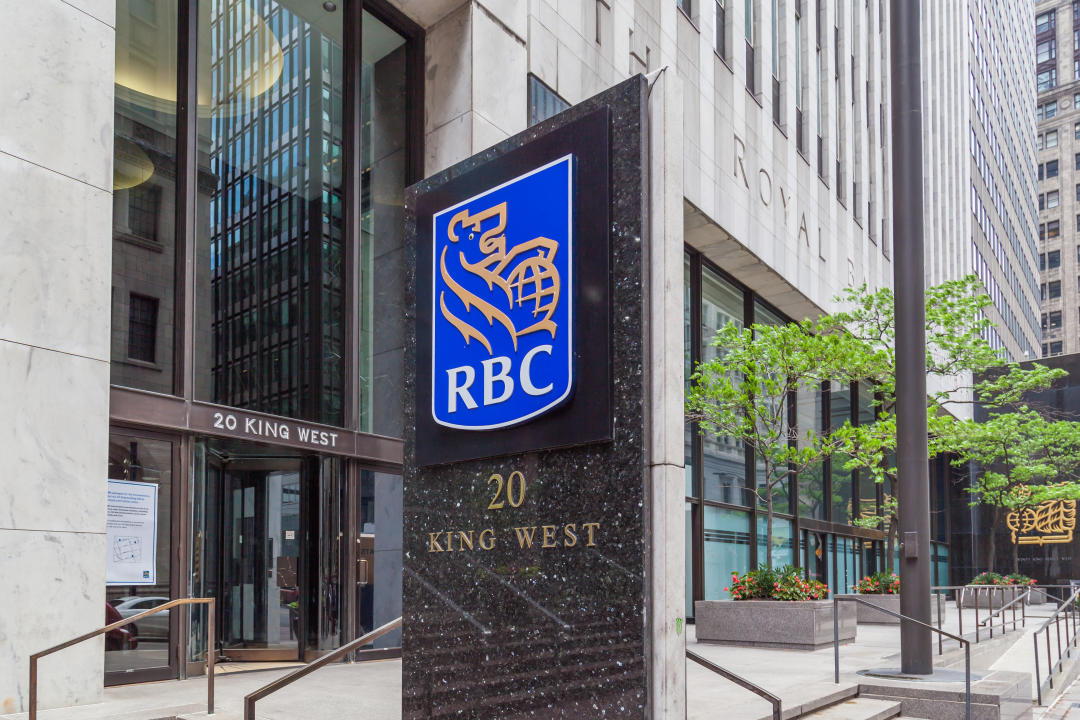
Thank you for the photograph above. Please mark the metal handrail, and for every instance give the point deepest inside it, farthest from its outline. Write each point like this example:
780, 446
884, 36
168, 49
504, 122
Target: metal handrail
777, 711
1068, 607
1006, 606
836, 643
251, 698
127, 621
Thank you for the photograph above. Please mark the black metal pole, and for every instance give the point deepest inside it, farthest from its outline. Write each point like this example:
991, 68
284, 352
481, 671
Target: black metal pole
916, 653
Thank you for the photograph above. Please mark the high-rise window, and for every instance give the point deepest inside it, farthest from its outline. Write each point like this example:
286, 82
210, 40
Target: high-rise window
1056, 348
1053, 259
1045, 50
1053, 229
543, 101
800, 79
1046, 79
720, 39
1053, 289
748, 32
1052, 199
1055, 319
1051, 139
775, 25
1051, 169
1044, 22
685, 6
142, 327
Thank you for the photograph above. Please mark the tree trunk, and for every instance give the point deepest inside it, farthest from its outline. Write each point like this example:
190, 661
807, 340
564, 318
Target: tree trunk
1015, 558
991, 543
768, 531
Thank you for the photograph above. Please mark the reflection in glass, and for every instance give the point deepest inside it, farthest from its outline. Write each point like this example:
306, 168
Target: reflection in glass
144, 644
839, 413
144, 196
724, 470
782, 541
811, 481
688, 338
691, 547
380, 347
270, 325
781, 491
726, 549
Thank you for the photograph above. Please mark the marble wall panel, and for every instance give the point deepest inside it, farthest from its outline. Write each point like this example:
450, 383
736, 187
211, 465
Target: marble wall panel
57, 90
53, 438
55, 256
53, 591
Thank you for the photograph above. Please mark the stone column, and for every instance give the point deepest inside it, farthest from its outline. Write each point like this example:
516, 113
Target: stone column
56, 136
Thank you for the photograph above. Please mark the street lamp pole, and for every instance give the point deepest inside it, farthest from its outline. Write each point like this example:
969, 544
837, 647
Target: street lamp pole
916, 655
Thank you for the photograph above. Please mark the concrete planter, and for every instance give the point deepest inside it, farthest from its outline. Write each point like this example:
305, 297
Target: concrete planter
1038, 597
992, 597
803, 625
869, 616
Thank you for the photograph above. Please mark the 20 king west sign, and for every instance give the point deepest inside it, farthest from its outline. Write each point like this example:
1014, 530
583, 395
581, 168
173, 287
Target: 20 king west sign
503, 302
512, 301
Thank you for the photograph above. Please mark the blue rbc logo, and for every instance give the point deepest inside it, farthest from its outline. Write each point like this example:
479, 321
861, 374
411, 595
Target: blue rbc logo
502, 302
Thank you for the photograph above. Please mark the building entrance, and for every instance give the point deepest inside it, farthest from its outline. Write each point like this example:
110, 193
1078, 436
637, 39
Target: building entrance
267, 542
261, 599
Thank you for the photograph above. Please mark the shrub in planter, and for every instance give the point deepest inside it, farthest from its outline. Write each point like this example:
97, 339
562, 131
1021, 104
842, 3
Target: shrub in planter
882, 591
1011, 586
784, 583
784, 610
882, 583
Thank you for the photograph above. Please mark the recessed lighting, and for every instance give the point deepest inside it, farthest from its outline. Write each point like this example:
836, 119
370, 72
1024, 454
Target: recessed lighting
329, 6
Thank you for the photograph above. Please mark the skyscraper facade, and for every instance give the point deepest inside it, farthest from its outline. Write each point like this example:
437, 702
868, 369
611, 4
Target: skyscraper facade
1057, 113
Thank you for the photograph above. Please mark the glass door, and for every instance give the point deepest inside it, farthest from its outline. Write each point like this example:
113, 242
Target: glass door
262, 560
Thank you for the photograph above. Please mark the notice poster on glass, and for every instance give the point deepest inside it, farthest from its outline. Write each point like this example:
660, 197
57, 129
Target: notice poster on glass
131, 533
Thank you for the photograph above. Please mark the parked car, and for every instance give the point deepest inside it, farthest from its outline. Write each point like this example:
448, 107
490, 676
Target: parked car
154, 627
123, 638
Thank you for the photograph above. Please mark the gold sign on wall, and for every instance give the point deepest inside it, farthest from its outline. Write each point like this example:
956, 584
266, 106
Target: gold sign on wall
1050, 522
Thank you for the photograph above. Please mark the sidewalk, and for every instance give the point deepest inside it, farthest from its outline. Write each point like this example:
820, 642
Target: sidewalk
372, 690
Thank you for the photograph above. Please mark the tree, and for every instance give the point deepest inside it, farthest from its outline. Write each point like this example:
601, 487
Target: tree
1023, 457
955, 351
744, 394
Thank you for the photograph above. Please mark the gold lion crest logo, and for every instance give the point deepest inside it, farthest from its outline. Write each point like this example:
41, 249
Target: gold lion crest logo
524, 276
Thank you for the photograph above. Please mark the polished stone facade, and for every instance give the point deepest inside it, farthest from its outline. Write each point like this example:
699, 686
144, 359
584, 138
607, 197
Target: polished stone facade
557, 628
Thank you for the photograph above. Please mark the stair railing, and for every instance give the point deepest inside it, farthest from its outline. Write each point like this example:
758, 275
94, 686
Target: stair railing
286, 680
127, 621
773, 700
837, 599
1067, 611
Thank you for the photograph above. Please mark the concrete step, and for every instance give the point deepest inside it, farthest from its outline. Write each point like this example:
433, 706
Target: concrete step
858, 709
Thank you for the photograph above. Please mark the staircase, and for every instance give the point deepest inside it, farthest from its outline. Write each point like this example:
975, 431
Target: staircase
858, 708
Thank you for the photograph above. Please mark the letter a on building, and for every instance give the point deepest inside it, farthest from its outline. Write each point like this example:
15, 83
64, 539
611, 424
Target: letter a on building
502, 311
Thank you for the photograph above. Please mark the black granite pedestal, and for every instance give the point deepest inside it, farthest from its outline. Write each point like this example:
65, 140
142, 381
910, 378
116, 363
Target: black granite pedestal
536, 607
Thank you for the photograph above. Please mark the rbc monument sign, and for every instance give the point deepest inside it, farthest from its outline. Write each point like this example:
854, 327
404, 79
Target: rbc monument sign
503, 302
526, 499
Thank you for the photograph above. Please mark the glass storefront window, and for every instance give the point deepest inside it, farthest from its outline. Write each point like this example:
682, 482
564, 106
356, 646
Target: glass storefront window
144, 197
811, 481
724, 470
726, 549
782, 490
839, 413
137, 463
688, 370
782, 541
689, 579
867, 487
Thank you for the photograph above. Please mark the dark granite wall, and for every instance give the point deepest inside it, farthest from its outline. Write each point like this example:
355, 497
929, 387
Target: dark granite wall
538, 632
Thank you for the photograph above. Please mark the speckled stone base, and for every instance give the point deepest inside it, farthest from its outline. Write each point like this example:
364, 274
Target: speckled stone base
555, 627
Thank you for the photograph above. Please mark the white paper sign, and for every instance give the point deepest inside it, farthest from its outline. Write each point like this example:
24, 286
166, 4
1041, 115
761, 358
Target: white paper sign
131, 533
